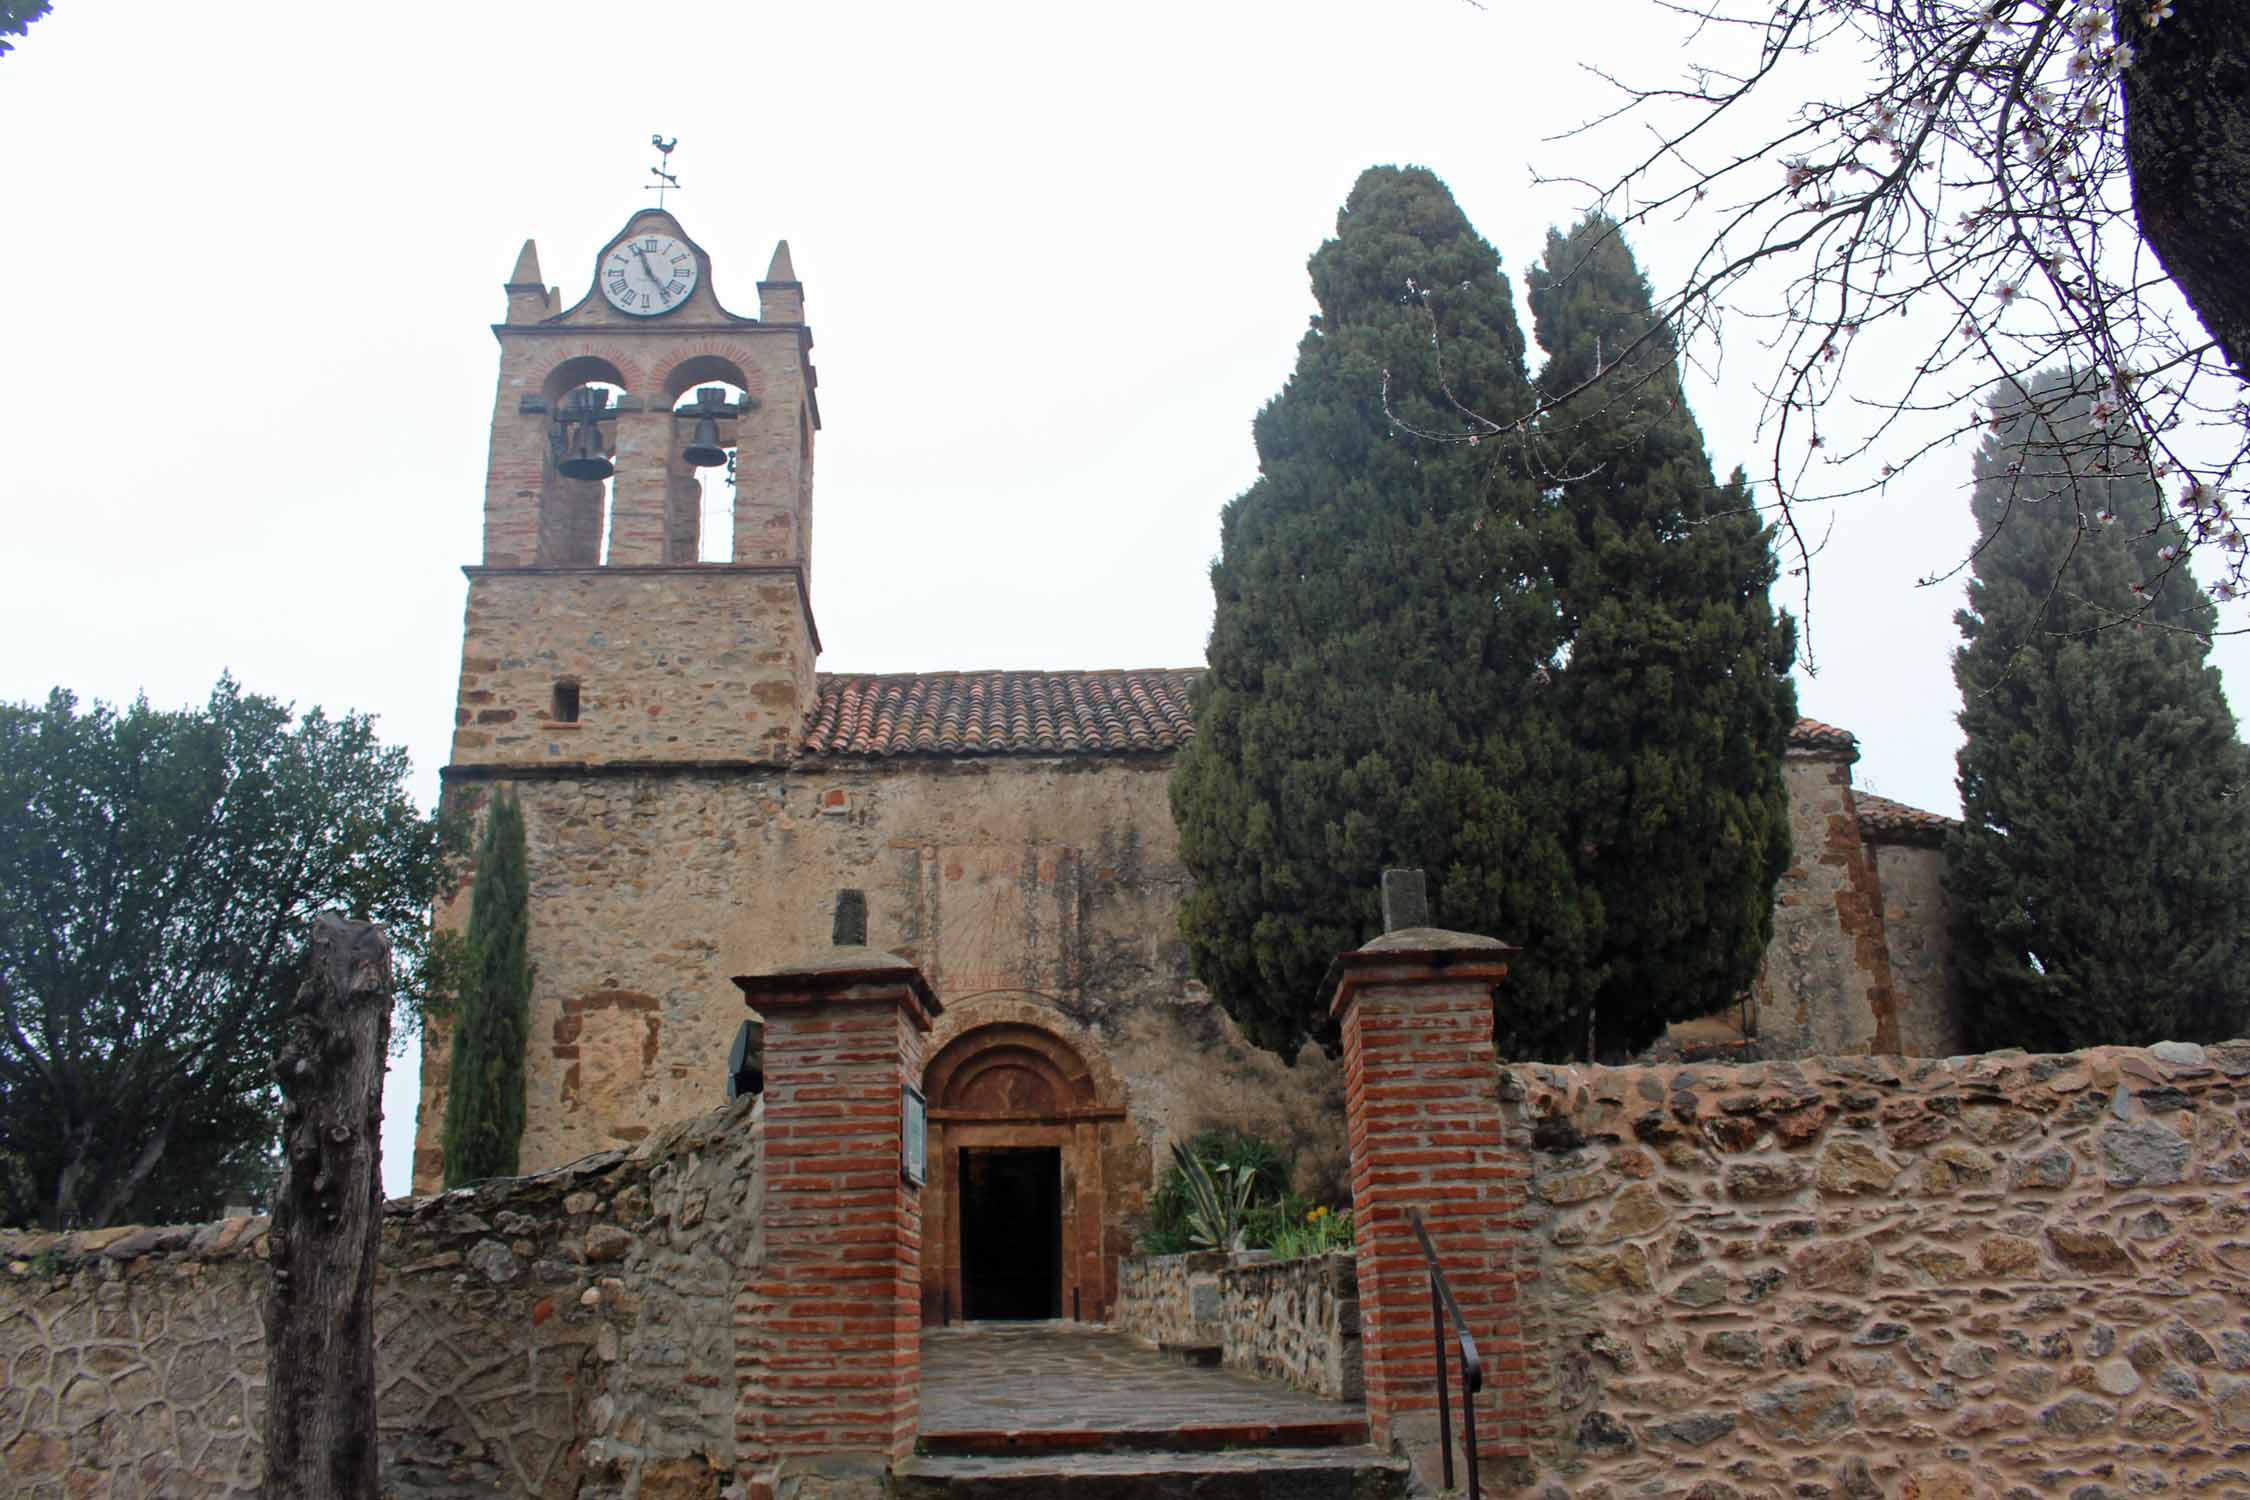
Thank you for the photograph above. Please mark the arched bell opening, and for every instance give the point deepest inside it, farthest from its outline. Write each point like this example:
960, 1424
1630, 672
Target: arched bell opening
1028, 1184
578, 483
705, 422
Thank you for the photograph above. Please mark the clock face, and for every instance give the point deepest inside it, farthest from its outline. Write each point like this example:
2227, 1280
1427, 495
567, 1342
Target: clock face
648, 275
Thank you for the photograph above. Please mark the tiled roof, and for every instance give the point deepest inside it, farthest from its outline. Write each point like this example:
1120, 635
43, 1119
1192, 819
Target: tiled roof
1001, 713
1041, 713
1811, 734
1883, 821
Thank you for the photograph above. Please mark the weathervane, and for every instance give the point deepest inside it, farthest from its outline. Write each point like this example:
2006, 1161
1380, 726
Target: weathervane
664, 180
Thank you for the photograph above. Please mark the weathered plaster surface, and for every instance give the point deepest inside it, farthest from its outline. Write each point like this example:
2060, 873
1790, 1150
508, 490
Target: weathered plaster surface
1824, 988
1042, 889
1921, 947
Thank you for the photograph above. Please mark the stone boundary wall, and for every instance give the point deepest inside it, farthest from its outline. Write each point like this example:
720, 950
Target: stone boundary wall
569, 1334
1171, 1299
1295, 1321
2005, 1276
1290, 1320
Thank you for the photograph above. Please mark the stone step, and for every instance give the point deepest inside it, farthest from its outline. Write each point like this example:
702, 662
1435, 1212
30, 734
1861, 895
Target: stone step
1353, 1473
1201, 1437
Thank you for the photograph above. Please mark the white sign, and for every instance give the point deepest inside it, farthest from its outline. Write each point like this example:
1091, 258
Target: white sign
913, 1136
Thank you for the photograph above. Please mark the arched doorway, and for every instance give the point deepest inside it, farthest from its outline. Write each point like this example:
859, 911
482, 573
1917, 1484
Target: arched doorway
1017, 1219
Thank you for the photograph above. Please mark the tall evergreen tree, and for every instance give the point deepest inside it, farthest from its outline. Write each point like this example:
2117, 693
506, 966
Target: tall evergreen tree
1382, 643
2097, 876
485, 1091
1676, 694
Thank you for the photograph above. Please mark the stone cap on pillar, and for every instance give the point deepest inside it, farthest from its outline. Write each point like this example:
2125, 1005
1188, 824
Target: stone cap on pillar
835, 971
1410, 949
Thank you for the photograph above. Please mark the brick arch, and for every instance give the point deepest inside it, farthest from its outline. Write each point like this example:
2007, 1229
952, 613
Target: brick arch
1006, 1077
578, 362
701, 363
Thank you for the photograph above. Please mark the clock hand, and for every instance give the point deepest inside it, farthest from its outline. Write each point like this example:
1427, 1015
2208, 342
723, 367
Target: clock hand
654, 280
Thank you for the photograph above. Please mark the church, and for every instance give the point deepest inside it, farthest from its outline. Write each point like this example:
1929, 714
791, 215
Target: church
696, 793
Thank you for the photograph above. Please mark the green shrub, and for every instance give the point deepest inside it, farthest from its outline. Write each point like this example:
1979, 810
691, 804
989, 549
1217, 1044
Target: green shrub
1169, 1240
1266, 1222
1317, 1232
1217, 1196
1248, 1161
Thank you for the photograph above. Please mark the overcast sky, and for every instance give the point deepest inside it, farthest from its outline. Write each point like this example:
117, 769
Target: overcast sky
1053, 257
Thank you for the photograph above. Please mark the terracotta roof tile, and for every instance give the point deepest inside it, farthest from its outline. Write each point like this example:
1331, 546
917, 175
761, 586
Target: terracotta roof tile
1883, 821
1001, 713
1811, 734
1042, 713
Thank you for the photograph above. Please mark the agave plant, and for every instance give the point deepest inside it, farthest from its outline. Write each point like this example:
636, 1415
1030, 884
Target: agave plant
1217, 1198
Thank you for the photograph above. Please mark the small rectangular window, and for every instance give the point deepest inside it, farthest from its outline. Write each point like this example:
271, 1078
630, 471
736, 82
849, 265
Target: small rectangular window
566, 703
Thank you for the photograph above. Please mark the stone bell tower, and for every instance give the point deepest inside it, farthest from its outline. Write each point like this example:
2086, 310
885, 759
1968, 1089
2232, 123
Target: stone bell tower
594, 633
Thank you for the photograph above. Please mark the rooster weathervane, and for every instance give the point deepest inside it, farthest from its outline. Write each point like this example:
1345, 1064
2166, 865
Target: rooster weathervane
665, 181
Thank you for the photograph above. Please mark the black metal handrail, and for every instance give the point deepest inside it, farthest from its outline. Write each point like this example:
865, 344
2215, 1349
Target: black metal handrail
1443, 1306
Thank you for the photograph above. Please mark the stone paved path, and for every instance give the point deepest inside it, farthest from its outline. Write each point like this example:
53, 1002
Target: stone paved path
1062, 1378
1238, 1474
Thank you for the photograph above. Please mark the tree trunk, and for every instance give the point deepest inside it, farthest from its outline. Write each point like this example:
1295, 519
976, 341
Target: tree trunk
2187, 145
64, 1214
327, 1221
128, 1182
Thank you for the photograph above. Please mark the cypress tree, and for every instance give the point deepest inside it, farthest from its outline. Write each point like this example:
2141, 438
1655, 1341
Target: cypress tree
2096, 878
1382, 643
1676, 694
485, 1094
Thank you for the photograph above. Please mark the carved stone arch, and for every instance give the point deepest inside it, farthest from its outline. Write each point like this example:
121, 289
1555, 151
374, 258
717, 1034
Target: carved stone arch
1036, 1023
1012, 1076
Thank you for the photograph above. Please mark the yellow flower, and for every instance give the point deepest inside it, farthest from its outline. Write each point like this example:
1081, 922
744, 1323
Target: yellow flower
1315, 1215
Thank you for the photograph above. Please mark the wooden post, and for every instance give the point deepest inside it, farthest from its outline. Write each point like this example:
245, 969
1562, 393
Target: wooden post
327, 1221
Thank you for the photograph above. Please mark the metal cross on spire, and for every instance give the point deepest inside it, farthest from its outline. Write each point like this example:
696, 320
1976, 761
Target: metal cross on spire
665, 181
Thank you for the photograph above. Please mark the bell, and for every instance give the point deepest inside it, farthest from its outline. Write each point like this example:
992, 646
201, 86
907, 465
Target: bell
583, 457
703, 450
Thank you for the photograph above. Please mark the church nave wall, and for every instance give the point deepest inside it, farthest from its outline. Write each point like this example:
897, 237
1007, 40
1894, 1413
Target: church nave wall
1040, 886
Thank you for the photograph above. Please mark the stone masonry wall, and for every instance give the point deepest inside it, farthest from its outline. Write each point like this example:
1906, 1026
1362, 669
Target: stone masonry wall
1171, 1299
568, 1335
2004, 1276
682, 663
1824, 986
1021, 887
1290, 1320
1920, 941
1295, 1321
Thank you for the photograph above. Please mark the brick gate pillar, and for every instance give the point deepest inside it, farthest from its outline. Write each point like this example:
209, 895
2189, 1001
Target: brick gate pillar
828, 1321
1421, 1091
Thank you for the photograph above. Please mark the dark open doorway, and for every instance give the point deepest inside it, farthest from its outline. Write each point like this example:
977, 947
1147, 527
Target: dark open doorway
1011, 1232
